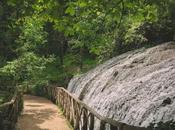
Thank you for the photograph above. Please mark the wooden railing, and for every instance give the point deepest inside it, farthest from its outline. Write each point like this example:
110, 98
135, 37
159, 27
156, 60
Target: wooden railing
81, 116
9, 112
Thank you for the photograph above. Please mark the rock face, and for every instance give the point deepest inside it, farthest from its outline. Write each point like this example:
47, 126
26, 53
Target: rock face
136, 88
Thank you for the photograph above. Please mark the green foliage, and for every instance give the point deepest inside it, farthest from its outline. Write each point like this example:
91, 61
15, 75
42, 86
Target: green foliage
98, 26
50, 41
5, 97
33, 34
26, 69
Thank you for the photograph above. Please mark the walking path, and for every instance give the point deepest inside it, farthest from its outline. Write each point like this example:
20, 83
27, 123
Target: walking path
41, 114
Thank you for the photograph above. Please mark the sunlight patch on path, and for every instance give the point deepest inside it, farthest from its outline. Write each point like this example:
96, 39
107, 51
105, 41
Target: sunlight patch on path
41, 114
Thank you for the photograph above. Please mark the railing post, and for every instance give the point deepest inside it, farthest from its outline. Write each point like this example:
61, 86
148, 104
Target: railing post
91, 121
121, 126
102, 125
85, 119
71, 111
64, 103
113, 127
68, 107
81, 116
77, 117
74, 111
77, 123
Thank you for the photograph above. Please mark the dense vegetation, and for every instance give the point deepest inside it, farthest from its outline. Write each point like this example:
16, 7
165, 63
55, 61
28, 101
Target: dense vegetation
49, 41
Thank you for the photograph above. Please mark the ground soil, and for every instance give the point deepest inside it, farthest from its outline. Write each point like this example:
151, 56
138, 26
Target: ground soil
41, 114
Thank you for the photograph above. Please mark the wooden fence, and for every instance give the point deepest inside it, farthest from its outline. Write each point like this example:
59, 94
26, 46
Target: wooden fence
81, 116
9, 112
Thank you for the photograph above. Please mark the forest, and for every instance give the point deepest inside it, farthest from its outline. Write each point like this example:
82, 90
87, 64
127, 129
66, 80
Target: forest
49, 41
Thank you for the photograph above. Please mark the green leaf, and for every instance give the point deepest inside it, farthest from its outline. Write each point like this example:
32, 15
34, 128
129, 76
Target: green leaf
70, 10
82, 4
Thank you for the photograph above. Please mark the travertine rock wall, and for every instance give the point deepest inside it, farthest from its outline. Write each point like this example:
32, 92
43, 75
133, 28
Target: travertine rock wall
137, 88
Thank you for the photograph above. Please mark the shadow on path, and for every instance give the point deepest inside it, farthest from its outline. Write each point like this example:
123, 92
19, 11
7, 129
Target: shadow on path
41, 114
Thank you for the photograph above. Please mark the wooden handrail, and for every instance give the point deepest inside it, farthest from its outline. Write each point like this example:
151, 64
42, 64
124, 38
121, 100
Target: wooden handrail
9, 111
10, 102
80, 115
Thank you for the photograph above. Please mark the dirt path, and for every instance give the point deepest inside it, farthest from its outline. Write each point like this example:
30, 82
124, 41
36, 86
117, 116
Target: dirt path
41, 114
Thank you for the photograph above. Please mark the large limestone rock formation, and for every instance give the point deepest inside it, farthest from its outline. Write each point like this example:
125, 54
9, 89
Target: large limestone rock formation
136, 88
